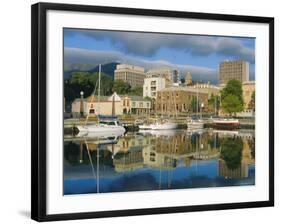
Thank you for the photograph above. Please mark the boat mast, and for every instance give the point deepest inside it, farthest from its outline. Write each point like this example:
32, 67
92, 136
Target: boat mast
197, 100
98, 168
215, 105
162, 106
99, 92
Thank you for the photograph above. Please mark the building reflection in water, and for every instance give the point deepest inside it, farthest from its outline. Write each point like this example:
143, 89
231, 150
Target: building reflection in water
233, 152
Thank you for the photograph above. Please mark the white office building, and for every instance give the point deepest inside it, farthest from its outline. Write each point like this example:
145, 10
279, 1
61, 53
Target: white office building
152, 85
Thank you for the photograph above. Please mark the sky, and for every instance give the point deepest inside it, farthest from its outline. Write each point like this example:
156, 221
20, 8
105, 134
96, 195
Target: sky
197, 54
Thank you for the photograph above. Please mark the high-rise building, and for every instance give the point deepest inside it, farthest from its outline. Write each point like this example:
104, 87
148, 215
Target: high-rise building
134, 75
238, 70
171, 75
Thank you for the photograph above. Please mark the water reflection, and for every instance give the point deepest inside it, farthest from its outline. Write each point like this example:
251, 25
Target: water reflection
152, 160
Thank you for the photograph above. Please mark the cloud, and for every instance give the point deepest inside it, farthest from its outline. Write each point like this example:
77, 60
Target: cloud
93, 57
147, 44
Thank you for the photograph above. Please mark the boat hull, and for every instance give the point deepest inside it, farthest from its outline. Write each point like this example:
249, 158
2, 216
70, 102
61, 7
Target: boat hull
165, 126
226, 123
195, 125
100, 131
145, 126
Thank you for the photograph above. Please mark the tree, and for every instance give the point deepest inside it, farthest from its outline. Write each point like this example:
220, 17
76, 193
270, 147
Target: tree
121, 87
232, 92
80, 78
214, 102
194, 104
137, 91
233, 87
86, 82
232, 104
106, 83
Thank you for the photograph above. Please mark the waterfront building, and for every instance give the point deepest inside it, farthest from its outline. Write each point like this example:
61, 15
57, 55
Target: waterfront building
134, 75
135, 105
238, 70
111, 105
152, 85
188, 79
176, 99
126, 103
92, 107
208, 88
139, 105
248, 89
171, 75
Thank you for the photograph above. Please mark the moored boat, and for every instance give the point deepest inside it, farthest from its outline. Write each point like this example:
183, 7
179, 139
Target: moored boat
159, 124
195, 123
104, 127
226, 122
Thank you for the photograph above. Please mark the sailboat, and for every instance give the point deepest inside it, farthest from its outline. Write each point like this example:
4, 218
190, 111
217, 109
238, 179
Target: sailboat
195, 122
102, 128
160, 123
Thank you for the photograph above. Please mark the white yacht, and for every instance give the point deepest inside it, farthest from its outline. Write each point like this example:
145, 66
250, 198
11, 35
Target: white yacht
102, 128
195, 123
159, 124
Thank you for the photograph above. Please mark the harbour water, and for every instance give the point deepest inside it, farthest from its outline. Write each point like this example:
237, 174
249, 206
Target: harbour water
159, 160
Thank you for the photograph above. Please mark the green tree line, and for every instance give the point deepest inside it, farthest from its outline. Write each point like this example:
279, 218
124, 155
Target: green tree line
86, 82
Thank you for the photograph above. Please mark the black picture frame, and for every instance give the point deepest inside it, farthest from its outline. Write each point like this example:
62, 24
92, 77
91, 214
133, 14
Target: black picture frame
39, 122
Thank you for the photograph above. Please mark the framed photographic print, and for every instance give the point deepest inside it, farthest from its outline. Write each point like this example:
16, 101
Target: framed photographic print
139, 111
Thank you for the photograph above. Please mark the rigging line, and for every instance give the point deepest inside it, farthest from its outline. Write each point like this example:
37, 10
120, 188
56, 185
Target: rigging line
99, 91
86, 121
90, 158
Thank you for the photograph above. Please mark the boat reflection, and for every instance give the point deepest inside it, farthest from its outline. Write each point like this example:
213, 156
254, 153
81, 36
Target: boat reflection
162, 159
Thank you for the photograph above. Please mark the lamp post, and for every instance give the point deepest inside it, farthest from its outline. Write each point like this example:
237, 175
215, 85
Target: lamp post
81, 104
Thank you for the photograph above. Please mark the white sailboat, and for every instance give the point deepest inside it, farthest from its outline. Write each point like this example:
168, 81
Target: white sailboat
102, 128
163, 124
195, 122
159, 124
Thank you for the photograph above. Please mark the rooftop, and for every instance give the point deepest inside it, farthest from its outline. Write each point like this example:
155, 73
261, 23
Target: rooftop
110, 98
184, 88
131, 67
